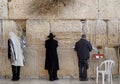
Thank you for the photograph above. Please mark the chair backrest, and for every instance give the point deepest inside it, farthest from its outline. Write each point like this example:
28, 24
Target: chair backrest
108, 64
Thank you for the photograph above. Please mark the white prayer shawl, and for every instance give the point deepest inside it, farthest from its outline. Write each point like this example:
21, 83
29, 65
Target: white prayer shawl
19, 57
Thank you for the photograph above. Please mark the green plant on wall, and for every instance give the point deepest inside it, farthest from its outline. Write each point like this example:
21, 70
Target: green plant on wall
99, 47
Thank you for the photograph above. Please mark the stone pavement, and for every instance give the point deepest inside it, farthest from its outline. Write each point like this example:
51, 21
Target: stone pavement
60, 81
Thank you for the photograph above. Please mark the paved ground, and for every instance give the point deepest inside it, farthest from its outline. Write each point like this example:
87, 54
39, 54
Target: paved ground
60, 81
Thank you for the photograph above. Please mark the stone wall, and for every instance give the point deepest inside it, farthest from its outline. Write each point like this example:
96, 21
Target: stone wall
68, 22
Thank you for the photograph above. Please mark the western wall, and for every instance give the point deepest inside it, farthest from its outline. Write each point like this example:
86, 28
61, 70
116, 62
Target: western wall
68, 20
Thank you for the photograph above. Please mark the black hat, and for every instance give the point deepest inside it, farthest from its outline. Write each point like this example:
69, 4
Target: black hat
51, 35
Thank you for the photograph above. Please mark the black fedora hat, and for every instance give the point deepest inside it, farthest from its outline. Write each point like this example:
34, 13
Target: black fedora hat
51, 35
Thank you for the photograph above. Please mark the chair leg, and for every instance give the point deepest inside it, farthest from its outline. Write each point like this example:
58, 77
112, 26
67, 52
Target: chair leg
111, 78
97, 77
102, 78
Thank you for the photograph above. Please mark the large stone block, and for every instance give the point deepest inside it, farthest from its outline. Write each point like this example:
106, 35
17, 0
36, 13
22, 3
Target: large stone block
37, 31
3, 9
119, 32
1, 39
101, 33
86, 9
66, 26
24, 9
76, 9
113, 33
62, 13
67, 68
79, 9
5, 70
108, 9
34, 62
17, 11
89, 28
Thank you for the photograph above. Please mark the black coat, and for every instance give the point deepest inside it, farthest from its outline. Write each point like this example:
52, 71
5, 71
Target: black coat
9, 48
83, 48
51, 61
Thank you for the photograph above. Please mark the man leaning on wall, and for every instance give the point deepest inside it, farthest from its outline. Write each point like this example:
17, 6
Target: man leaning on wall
83, 48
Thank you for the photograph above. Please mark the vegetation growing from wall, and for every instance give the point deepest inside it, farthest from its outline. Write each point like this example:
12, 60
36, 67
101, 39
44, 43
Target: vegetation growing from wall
46, 6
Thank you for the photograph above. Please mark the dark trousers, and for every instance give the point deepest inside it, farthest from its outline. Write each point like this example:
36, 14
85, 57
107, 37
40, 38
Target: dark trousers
52, 74
83, 66
15, 72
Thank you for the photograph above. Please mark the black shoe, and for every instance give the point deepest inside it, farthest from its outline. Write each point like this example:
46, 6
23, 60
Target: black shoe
56, 79
18, 78
80, 79
51, 79
14, 79
85, 79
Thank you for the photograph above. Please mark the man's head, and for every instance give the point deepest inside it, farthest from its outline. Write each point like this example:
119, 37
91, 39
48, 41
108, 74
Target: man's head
12, 34
83, 36
51, 35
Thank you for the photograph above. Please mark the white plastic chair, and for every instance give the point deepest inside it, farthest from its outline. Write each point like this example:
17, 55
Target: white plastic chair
108, 64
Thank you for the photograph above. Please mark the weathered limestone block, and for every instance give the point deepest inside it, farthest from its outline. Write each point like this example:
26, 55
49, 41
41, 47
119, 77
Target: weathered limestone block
79, 9
35, 62
3, 9
67, 62
24, 9
119, 31
5, 70
108, 9
76, 9
1, 32
17, 11
60, 26
110, 53
66, 26
86, 9
62, 13
113, 33
101, 35
89, 29
37, 31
